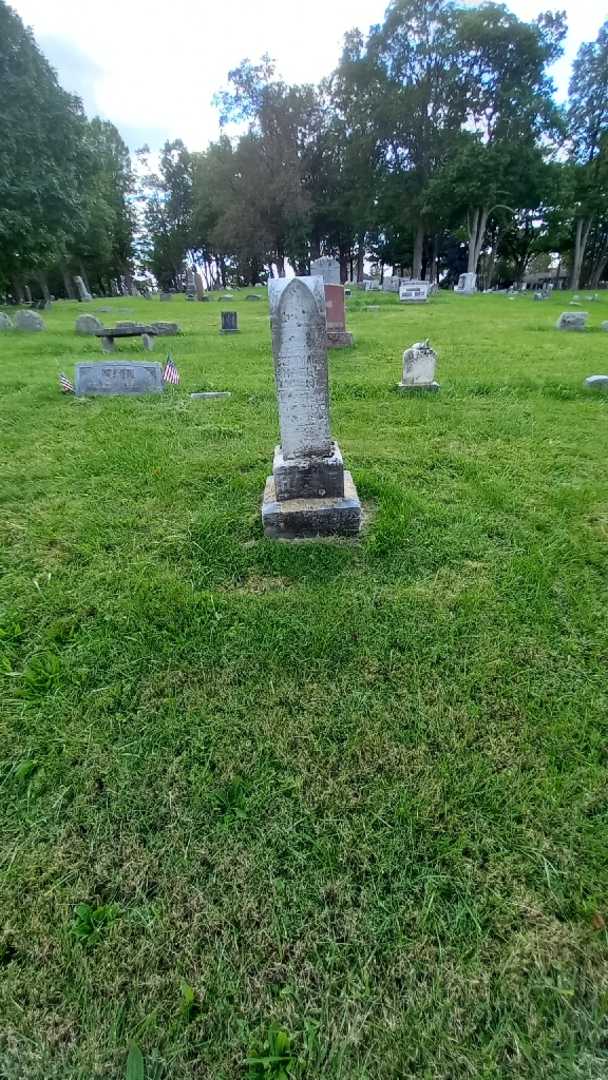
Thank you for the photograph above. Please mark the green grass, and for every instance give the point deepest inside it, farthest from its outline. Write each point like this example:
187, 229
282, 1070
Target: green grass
326, 810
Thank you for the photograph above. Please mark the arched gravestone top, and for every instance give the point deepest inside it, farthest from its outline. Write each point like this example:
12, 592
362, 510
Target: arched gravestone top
297, 319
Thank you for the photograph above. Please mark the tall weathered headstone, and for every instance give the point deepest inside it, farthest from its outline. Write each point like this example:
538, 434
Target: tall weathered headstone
338, 337
309, 492
327, 268
199, 285
83, 292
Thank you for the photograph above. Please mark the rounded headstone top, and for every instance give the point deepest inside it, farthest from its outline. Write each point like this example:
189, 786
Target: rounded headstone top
279, 286
88, 324
28, 320
597, 382
6, 323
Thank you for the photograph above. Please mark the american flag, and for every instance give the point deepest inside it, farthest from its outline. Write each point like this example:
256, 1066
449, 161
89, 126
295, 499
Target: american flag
65, 385
170, 374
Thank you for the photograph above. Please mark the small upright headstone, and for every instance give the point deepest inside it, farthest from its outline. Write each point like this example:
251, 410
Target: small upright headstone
230, 322
199, 286
391, 284
110, 377
327, 268
28, 320
165, 296
6, 323
166, 329
83, 292
338, 337
572, 320
467, 284
414, 292
190, 285
88, 324
597, 382
604, 326
419, 363
309, 492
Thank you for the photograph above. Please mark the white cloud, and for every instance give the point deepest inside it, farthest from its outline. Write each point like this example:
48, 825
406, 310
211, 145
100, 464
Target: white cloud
153, 67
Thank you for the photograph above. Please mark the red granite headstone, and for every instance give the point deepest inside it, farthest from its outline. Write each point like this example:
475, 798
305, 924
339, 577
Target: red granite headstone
334, 307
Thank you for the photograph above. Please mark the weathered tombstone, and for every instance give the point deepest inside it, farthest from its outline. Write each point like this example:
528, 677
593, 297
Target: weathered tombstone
252, 296
226, 296
467, 284
6, 323
572, 320
338, 337
414, 292
88, 324
419, 363
309, 492
604, 326
83, 292
199, 285
106, 377
391, 284
327, 268
230, 322
147, 341
190, 284
597, 382
28, 320
166, 329
165, 296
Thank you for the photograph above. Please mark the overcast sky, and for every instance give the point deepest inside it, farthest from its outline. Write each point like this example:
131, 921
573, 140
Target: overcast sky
152, 67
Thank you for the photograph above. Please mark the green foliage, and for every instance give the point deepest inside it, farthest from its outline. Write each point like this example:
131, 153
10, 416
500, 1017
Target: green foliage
90, 922
274, 1060
135, 1063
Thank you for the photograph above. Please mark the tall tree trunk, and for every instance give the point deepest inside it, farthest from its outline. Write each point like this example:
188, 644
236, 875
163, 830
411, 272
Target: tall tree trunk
360, 256
598, 269
44, 287
580, 243
68, 284
434, 275
28, 293
18, 289
476, 223
315, 245
418, 246
343, 256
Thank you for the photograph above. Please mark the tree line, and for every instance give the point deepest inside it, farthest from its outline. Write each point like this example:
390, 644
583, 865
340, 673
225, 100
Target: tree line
436, 146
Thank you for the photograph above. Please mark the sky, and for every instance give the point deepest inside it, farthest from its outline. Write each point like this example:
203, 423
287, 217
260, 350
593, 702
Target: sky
152, 67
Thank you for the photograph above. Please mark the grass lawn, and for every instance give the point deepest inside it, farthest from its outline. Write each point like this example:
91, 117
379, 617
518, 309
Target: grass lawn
324, 810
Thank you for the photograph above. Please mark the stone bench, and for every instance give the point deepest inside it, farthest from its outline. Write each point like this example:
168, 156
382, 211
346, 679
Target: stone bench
107, 335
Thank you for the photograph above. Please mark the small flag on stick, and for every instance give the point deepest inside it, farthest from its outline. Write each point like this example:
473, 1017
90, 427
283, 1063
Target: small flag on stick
170, 374
65, 385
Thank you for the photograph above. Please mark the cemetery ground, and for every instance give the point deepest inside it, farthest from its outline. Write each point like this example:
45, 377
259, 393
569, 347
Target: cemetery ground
334, 808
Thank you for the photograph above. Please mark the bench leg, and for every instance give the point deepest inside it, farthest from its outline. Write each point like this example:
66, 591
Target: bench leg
147, 342
107, 344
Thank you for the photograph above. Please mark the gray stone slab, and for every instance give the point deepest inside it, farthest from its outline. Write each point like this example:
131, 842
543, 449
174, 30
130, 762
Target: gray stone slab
308, 477
597, 382
212, 394
29, 321
572, 320
88, 324
229, 322
296, 519
118, 377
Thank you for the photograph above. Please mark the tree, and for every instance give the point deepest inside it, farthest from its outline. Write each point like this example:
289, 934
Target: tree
167, 199
588, 133
45, 161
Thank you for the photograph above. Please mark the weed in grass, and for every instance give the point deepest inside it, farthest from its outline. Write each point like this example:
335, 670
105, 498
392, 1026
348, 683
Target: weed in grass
89, 923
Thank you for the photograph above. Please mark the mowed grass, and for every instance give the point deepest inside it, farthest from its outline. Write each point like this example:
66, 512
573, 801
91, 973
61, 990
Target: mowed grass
336, 809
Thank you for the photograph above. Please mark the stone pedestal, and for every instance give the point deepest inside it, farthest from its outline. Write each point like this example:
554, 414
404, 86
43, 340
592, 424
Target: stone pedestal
467, 284
309, 493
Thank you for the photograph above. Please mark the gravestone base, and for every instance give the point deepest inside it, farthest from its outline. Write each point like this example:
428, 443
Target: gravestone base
308, 477
301, 519
414, 388
340, 339
235, 330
